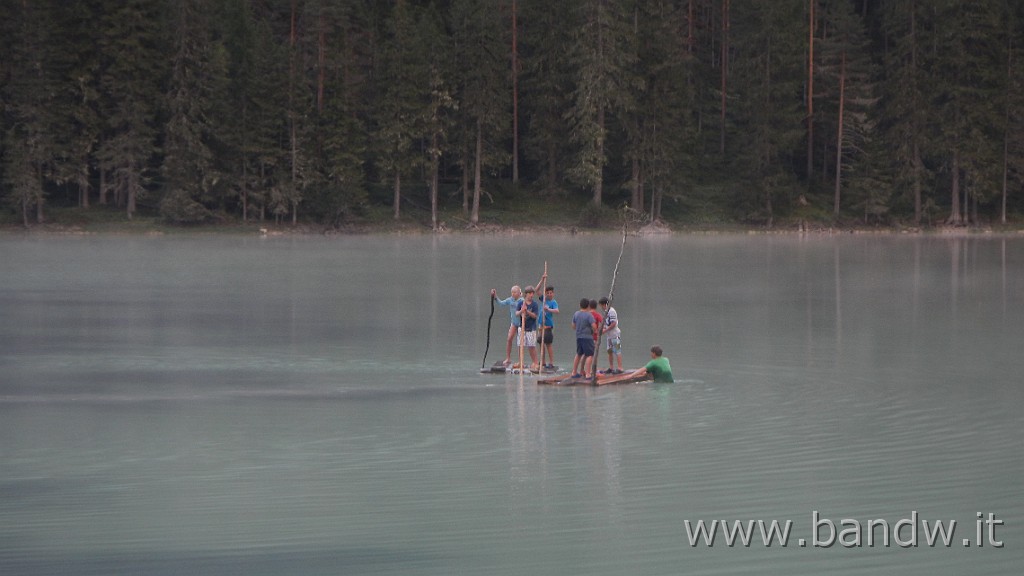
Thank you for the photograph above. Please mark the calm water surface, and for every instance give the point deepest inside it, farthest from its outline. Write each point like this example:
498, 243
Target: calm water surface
313, 406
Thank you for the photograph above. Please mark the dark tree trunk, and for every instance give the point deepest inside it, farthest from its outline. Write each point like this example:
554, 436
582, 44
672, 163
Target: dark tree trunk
465, 178
433, 182
599, 184
725, 73
810, 95
954, 215
515, 98
398, 195
474, 218
839, 135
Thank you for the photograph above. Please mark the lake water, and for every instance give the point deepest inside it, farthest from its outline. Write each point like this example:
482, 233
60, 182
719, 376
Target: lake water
313, 406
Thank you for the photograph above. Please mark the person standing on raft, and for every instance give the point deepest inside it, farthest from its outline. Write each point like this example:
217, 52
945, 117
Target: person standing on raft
611, 328
513, 303
529, 312
585, 326
589, 372
550, 307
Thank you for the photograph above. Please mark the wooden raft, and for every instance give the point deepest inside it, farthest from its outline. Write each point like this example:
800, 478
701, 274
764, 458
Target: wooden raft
602, 380
499, 368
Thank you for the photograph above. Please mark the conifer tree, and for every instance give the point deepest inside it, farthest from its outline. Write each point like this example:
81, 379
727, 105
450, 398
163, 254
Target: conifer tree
846, 85
905, 90
664, 150
547, 79
401, 82
74, 68
769, 77
255, 138
196, 101
603, 54
338, 140
342, 130
440, 105
1013, 136
31, 121
483, 88
969, 57
133, 66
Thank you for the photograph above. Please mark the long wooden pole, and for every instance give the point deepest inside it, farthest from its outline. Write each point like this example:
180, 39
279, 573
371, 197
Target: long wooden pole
522, 336
542, 328
611, 295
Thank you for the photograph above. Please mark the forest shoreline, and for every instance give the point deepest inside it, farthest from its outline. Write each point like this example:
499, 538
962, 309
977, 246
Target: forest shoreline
156, 227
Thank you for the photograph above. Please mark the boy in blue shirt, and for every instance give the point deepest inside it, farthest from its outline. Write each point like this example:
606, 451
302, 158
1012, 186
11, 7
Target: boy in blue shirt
513, 303
548, 325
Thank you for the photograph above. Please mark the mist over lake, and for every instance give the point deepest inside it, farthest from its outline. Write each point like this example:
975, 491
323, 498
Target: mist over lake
312, 406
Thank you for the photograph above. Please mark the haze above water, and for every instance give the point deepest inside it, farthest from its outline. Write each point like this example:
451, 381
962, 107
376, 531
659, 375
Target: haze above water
309, 406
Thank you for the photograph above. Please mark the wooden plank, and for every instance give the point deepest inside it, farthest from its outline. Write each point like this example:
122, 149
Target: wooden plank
499, 368
602, 380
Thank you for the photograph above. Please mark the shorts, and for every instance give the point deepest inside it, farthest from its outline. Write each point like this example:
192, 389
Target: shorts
615, 345
585, 346
531, 339
549, 335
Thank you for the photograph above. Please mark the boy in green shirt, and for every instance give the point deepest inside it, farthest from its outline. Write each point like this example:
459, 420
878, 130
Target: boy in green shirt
658, 367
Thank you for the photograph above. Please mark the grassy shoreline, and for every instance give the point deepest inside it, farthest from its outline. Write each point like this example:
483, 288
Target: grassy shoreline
105, 221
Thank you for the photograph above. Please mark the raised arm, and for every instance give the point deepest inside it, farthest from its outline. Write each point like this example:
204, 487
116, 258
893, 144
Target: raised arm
506, 302
537, 286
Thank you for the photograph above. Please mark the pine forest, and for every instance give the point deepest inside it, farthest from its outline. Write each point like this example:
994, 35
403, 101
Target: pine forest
760, 113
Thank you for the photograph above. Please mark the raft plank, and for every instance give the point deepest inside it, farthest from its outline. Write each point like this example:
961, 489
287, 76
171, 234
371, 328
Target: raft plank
602, 380
499, 368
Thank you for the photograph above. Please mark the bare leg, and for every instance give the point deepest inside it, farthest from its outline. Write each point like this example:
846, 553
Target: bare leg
508, 344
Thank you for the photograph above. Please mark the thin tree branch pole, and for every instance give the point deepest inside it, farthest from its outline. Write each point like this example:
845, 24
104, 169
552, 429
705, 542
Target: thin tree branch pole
611, 293
488, 348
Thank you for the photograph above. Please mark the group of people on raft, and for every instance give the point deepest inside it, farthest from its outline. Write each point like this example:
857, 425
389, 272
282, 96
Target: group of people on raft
529, 311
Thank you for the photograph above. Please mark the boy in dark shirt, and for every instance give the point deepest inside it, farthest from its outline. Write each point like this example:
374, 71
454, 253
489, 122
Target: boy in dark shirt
586, 327
529, 311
